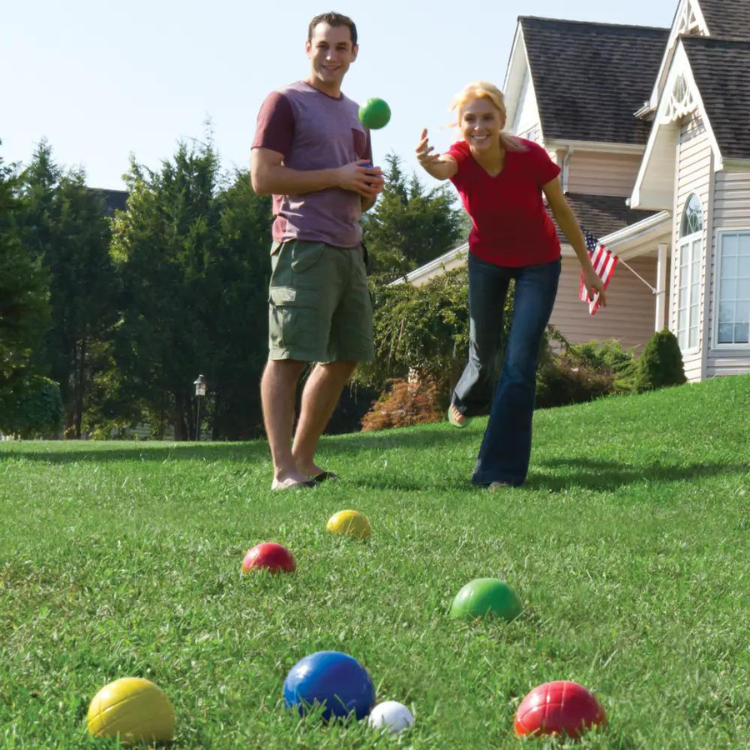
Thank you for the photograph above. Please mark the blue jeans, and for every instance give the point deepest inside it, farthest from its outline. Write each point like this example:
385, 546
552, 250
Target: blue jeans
506, 447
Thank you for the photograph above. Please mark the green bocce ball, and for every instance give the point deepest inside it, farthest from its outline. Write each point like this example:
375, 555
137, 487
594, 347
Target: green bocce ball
486, 596
374, 114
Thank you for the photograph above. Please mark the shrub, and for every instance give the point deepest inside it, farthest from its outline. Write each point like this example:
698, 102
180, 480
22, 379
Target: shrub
404, 404
562, 381
577, 373
661, 363
34, 412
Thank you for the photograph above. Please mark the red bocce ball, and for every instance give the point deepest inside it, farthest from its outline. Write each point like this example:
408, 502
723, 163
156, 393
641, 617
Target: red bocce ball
269, 556
560, 707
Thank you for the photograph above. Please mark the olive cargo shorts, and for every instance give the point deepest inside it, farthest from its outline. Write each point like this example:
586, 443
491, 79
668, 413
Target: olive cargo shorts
319, 304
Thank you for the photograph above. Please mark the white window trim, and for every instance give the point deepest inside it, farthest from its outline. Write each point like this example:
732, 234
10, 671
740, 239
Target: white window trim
715, 345
683, 244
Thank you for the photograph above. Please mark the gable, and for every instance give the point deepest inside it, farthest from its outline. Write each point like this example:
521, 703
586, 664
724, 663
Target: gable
589, 79
688, 20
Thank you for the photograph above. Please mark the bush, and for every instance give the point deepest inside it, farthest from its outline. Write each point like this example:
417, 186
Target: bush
562, 381
661, 363
404, 404
422, 332
35, 412
577, 373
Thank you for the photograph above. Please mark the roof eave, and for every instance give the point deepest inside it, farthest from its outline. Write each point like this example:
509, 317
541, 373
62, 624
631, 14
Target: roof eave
434, 265
513, 75
599, 146
735, 164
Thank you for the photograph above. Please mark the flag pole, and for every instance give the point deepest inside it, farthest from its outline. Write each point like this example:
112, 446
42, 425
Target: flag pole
635, 273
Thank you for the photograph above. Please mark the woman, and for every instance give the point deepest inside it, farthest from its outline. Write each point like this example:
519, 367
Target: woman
501, 179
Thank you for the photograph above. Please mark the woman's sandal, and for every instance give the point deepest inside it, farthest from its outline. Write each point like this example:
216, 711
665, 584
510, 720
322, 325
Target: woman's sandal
452, 419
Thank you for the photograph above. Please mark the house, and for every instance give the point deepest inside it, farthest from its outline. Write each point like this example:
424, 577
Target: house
650, 129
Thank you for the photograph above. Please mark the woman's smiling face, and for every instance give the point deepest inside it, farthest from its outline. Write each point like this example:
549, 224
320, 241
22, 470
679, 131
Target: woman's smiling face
481, 123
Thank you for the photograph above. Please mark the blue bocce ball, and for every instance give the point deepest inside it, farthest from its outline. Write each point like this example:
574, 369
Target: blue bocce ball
331, 679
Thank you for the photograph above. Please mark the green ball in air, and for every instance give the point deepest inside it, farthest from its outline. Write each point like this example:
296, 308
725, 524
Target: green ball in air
374, 114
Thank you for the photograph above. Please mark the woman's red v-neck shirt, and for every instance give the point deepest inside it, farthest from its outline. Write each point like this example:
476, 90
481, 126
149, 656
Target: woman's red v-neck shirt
510, 224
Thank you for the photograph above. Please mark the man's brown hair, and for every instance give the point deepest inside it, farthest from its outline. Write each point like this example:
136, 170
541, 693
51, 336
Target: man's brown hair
333, 19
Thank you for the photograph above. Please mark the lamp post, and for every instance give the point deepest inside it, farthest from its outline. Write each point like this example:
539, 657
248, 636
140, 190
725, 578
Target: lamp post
200, 392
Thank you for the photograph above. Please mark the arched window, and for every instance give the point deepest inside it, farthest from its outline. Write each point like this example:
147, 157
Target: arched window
692, 217
690, 255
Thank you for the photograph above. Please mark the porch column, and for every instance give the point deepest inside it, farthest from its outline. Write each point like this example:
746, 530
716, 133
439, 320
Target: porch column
660, 321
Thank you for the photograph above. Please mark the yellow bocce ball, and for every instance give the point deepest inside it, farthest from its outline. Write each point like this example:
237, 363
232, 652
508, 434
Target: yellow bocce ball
350, 522
134, 708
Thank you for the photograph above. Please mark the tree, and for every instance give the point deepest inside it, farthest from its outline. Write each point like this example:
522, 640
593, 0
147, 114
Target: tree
64, 225
193, 256
24, 310
239, 327
410, 226
162, 246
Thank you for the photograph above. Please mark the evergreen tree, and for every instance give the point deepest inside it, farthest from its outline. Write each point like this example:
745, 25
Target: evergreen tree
24, 310
162, 246
239, 328
410, 226
65, 226
194, 258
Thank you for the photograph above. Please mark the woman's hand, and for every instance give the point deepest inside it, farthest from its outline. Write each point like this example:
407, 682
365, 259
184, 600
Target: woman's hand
594, 285
440, 167
424, 151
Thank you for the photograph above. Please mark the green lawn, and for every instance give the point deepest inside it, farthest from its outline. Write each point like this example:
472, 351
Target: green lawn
629, 546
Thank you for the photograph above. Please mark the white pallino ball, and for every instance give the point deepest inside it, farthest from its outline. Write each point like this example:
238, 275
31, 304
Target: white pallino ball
391, 714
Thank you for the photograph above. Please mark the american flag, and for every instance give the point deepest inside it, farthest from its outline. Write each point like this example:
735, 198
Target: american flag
604, 263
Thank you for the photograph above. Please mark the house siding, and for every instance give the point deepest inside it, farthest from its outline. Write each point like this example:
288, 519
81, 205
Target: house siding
603, 174
694, 164
629, 315
731, 211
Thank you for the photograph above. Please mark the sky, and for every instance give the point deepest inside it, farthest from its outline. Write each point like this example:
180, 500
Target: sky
103, 81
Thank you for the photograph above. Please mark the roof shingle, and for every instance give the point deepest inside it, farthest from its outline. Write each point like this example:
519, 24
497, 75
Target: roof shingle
727, 18
720, 68
590, 78
601, 215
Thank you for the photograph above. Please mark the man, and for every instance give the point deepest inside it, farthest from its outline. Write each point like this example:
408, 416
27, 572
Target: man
309, 152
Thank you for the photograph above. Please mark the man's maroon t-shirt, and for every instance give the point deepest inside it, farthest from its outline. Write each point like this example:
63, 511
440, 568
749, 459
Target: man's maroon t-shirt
510, 224
314, 131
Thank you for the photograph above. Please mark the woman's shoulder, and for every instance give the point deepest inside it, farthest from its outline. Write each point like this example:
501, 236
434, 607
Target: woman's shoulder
524, 146
459, 149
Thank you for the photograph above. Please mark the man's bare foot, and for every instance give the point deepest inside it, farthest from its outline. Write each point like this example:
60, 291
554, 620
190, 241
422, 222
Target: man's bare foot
290, 481
308, 469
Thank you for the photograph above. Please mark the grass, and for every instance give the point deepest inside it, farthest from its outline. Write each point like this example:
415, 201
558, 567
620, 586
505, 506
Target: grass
628, 546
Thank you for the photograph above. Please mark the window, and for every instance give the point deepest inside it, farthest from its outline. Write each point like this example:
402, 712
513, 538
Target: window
734, 288
690, 249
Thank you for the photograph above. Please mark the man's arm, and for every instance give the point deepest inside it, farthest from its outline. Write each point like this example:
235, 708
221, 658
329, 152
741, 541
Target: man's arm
269, 176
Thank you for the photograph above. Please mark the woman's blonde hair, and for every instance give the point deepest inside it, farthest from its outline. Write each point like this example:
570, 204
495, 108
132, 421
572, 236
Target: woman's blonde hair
485, 90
